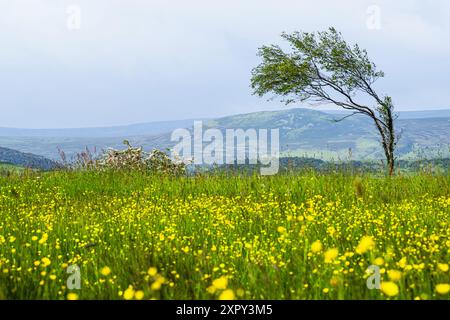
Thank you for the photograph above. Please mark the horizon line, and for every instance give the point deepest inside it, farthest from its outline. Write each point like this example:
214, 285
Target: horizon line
94, 127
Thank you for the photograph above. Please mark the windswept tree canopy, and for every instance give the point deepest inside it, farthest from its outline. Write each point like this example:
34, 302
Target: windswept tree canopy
322, 68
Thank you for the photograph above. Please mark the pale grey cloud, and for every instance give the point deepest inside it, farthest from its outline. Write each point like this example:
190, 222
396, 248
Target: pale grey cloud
137, 61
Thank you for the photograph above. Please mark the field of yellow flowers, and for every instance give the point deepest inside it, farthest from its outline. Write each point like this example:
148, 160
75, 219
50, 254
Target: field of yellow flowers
291, 236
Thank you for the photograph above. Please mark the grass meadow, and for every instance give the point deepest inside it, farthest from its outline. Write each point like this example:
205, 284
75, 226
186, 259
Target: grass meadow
297, 235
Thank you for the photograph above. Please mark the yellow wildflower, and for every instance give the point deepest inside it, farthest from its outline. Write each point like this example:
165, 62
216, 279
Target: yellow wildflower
316, 246
331, 255
443, 267
227, 295
443, 288
152, 271
402, 263
394, 275
220, 283
105, 271
389, 288
46, 262
378, 261
281, 229
366, 244
128, 293
211, 289
72, 296
139, 295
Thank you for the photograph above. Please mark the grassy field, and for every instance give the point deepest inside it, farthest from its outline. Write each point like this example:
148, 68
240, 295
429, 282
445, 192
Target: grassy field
292, 236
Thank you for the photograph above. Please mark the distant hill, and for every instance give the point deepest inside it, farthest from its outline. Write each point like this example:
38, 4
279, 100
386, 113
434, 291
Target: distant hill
28, 160
151, 128
420, 114
310, 133
303, 132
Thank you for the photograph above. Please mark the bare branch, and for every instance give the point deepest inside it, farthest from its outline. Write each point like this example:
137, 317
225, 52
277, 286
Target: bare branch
346, 117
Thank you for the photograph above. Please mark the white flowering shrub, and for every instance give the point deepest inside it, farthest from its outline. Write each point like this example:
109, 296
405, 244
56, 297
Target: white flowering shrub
133, 158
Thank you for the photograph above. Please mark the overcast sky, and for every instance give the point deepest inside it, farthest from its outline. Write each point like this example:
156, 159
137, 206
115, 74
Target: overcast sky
108, 62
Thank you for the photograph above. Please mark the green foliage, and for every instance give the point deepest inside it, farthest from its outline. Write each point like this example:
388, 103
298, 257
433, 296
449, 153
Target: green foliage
316, 60
323, 68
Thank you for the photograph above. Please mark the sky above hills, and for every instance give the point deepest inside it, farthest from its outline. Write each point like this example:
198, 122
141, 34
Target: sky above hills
106, 62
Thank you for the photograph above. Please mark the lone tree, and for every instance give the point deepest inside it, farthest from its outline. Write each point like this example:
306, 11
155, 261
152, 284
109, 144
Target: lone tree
323, 68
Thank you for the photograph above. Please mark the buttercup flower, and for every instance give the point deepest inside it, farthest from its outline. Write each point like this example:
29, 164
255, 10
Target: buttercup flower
443, 288
389, 288
366, 244
227, 295
331, 255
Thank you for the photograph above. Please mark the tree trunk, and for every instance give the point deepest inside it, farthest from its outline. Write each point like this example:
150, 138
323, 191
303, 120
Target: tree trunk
388, 142
391, 165
391, 141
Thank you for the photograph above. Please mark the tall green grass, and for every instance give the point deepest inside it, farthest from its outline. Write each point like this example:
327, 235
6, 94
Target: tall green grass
253, 231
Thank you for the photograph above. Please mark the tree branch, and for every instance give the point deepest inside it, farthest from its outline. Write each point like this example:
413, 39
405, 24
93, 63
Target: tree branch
346, 117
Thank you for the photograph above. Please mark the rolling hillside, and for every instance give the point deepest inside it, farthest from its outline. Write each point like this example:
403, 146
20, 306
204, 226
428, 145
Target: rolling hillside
150, 128
12, 157
303, 132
